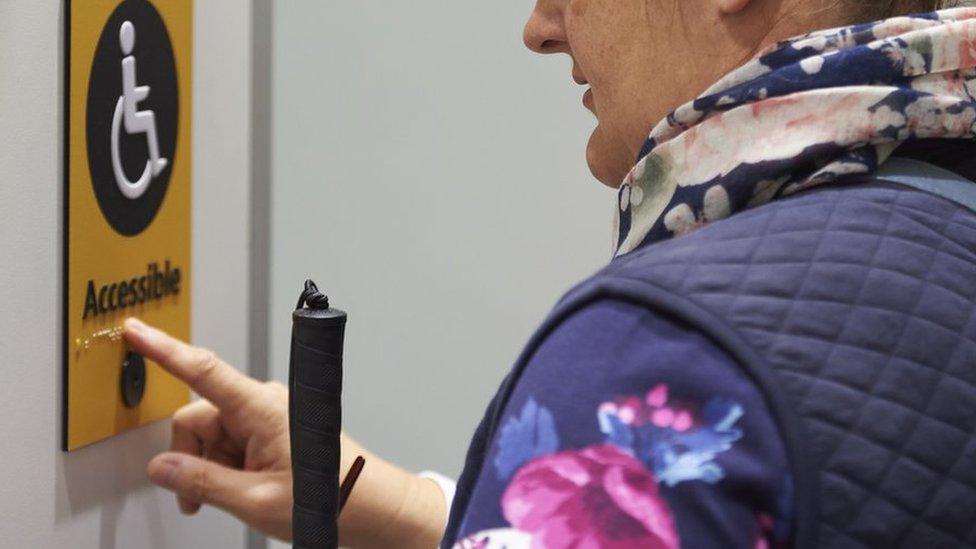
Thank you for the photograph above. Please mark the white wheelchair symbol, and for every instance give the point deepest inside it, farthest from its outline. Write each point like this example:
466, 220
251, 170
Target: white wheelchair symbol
134, 121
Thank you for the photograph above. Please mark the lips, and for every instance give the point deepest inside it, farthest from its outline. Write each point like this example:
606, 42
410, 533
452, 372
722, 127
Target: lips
580, 79
588, 94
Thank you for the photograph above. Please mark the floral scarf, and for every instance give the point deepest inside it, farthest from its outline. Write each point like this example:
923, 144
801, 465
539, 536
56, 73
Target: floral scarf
827, 107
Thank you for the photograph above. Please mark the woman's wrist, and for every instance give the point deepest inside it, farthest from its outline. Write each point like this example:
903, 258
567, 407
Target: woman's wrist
389, 507
423, 516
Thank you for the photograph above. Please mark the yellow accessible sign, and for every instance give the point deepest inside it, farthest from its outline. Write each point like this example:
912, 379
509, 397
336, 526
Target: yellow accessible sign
127, 208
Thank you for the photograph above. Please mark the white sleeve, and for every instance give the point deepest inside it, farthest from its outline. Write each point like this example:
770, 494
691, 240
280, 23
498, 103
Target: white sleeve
447, 486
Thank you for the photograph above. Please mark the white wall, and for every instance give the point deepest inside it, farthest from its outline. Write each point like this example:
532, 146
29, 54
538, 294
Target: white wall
429, 173
98, 497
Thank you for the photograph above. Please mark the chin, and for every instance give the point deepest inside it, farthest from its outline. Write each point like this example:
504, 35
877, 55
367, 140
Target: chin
604, 160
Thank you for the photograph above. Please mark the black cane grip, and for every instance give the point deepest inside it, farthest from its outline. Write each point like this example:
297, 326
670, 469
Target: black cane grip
315, 419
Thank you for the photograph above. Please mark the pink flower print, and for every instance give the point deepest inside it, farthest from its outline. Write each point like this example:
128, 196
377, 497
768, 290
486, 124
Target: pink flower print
666, 413
681, 219
673, 417
598, 497
655, 409
628, 410
682, 421
677, 441
677, 419
662, 417
658, 396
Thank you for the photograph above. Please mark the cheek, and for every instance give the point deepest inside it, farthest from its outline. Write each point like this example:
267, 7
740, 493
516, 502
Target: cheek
612, 54
598, 57
623, 53
600, 40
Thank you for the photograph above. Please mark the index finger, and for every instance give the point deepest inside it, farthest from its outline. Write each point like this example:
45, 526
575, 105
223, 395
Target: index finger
207, 375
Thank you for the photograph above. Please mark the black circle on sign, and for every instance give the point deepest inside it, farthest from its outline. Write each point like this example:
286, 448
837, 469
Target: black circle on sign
133, 379
155, 67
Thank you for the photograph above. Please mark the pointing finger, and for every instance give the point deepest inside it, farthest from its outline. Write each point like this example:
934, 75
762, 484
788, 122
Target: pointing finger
206, 374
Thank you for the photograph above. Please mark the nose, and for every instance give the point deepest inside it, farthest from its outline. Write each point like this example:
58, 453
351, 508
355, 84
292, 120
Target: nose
545, 31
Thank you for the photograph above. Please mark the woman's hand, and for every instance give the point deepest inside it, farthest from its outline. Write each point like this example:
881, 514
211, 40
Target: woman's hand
231, 449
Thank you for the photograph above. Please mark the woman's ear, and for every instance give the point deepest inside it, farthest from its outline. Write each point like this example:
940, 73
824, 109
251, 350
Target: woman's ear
729, 7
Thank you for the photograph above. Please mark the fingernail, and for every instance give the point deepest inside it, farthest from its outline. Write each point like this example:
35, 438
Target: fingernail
163, 470
135, 325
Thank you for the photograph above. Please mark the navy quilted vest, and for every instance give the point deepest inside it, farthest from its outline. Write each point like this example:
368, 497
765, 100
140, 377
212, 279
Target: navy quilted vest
854, 309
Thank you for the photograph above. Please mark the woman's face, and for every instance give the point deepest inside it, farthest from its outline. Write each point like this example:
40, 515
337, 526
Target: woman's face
643, 58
